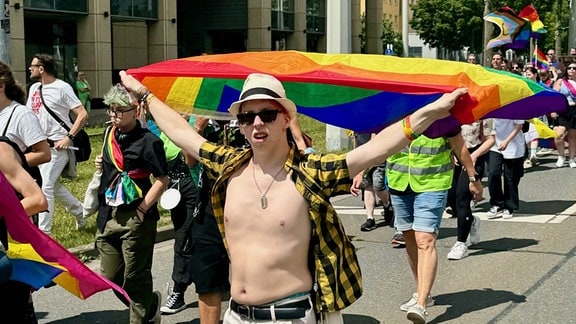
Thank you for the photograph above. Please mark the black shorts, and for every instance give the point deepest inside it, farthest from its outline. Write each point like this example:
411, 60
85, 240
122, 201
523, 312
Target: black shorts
210, 264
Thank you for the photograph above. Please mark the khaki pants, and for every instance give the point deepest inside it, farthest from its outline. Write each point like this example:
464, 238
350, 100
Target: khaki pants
126, 246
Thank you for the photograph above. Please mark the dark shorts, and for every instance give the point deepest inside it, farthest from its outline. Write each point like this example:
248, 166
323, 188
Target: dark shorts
209, 264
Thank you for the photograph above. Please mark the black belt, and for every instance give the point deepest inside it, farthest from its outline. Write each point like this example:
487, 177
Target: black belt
288, 311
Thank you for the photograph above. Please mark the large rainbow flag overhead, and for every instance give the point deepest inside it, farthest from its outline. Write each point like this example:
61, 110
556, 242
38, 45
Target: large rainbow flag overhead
38, 260
360, 92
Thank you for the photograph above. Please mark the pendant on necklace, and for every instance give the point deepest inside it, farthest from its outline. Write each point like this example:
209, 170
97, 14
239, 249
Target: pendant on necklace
263, 202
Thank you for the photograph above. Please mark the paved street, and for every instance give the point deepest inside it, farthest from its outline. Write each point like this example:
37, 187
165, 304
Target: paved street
522, 271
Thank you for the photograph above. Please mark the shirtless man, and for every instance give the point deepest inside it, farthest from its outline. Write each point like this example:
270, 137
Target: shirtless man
269, 198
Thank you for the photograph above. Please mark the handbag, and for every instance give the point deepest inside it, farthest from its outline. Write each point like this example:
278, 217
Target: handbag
91, 202
70, 170
81, 140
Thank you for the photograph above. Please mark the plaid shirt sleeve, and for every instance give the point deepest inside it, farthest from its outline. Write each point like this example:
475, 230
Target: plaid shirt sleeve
337, 271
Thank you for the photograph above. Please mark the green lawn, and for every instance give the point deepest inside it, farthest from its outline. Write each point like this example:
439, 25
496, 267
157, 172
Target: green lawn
64, 226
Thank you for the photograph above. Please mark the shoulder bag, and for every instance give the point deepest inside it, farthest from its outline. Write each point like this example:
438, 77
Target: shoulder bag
81, 140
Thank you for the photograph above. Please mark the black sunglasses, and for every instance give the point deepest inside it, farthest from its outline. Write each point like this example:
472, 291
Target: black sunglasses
266, 116
571, 68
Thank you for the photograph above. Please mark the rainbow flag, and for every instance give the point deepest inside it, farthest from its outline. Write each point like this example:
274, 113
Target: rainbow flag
539, 59
360, 92
38, 259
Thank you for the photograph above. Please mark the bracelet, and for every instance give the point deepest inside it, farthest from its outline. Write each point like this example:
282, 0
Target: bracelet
71, 136
407, 129
140, 209
149, 98
144, 96
140, 92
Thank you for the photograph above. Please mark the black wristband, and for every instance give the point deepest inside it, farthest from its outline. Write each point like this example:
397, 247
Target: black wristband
71, 136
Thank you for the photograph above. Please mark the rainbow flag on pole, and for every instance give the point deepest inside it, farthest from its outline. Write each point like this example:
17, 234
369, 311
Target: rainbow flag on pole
539, 59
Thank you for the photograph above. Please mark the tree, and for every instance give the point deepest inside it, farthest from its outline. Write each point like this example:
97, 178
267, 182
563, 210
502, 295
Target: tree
389, 36
450, 24
453, 24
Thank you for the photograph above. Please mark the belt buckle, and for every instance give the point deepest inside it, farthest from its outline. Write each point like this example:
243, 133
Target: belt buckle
246, 312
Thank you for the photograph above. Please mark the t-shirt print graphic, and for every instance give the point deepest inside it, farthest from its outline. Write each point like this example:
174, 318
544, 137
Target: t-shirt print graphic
36, 102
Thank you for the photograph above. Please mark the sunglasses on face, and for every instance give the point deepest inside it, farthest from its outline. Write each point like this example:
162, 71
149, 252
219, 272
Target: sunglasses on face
266, 116
571, 68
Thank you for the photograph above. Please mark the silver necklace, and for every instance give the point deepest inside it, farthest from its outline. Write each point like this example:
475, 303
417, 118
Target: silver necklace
263, 199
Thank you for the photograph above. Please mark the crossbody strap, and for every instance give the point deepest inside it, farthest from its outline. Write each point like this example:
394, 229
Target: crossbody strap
8, 123
53, 114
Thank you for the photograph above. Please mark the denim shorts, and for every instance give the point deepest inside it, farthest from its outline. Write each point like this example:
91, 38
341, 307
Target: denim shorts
376, 178
421, 212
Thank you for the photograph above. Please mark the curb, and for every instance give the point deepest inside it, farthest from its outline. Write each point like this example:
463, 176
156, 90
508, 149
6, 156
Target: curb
164, 233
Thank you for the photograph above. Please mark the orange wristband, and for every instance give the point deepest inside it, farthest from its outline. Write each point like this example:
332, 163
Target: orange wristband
407, 129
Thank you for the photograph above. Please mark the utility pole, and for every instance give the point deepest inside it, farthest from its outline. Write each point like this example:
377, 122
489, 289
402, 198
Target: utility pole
487, 57
405, 13
572, 31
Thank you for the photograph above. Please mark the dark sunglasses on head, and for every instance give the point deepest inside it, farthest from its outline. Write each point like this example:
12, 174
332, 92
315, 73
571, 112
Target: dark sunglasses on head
267, 116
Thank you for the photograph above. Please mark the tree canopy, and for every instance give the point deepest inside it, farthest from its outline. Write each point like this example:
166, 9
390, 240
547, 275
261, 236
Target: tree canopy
454, 24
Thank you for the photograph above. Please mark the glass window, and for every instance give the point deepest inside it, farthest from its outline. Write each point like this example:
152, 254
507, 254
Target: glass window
76, 6
147, 9
283, 15
316, 16
414, 51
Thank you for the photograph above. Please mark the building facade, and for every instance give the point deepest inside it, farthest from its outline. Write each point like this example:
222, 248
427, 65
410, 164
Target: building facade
102, 37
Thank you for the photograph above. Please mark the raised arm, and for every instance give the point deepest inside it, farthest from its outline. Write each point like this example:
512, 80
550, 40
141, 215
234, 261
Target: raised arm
168, 120
33, 199
392, 139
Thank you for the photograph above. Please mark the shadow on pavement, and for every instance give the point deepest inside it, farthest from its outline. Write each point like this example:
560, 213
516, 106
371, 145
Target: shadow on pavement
359, 319
468, 301
500, 245
100, 317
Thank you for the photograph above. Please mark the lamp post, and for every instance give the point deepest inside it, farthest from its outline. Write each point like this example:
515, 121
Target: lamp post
487, 34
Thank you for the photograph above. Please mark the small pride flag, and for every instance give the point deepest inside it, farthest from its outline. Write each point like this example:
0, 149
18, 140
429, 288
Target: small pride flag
539, 59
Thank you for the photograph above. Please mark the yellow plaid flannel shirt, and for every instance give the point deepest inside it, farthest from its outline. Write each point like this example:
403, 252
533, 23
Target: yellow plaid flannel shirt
338, 281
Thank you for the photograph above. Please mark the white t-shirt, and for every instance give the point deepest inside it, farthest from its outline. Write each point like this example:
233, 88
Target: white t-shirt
24, 128
60, 98
516, 148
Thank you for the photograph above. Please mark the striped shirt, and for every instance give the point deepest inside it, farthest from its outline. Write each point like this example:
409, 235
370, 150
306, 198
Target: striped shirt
338, 281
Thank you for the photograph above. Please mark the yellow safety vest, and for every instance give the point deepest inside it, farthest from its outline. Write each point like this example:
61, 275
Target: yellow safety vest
425, 165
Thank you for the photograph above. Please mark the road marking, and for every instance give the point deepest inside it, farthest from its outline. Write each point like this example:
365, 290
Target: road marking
518, 218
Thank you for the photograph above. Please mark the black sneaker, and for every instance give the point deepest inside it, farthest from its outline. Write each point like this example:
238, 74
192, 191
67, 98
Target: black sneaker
388, 214
369, 225
398, 239
31, 314
174, 304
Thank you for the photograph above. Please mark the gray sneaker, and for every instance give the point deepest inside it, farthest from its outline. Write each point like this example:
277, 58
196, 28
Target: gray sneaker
474, 236
417, 314
404, 307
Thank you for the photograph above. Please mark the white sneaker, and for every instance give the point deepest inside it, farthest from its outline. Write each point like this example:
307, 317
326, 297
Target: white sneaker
414, 300
417, 314
560, 162
527, 164
533, 160
474, 236
573, 163
80, 222
507, 214
494, 213
458, 251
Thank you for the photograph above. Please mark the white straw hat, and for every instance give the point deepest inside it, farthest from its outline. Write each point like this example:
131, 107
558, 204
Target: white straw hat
263, 86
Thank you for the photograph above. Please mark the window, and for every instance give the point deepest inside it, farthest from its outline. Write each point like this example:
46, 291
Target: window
283, 15
73, 6
414, 51
316, 16
147, 9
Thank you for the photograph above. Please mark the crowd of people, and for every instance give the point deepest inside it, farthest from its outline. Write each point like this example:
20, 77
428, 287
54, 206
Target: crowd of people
242, 217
